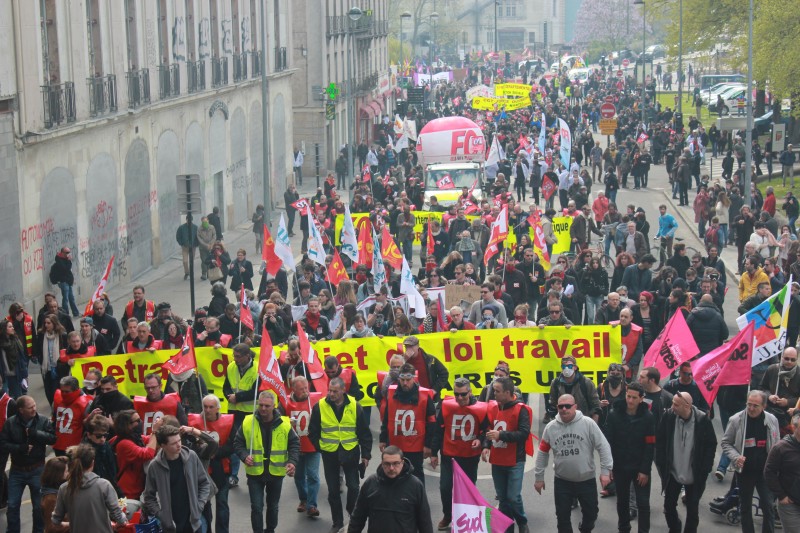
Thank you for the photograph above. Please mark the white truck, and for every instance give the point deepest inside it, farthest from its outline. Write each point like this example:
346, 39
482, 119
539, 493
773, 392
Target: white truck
452, 151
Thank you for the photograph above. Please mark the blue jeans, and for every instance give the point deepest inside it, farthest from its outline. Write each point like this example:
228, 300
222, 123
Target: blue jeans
68, 298
593, 303
17, 481
723, 236
508, 486
306, 478
223, 510
470, 467
257, 486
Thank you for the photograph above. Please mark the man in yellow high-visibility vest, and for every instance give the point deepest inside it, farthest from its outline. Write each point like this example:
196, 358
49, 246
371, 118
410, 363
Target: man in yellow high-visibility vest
339, 429
266, 437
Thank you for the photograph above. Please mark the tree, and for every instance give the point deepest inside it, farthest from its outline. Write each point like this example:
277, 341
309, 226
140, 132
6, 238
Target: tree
611, 24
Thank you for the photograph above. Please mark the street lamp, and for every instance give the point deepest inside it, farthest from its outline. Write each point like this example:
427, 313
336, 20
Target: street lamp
433, 18
496, 5
680, 57
748, 169
405, 15
354, 15
644, 26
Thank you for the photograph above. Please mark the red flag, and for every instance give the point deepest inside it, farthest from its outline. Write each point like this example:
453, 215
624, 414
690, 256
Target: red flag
730, 364
498, 234
310, 358
274, 262
366, 174
548, 187
301, 205
445, 182
642, 137
469, 207
429, 245
471, 191
390, 251
365, 244
269, 371
101, 288
244, 311
523, 141
674, 345
185, 359
534, 218
385, 179
336, 272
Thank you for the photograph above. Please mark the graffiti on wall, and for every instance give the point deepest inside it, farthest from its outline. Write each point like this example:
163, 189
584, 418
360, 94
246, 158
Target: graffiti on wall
245, 33
227, 39
40, 241
204, 38
179, 39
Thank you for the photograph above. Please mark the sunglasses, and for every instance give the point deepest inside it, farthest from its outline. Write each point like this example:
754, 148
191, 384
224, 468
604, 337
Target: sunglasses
461, 394
565, 406
568, 366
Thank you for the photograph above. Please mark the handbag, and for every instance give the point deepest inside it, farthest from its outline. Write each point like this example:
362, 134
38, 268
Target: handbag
215, 274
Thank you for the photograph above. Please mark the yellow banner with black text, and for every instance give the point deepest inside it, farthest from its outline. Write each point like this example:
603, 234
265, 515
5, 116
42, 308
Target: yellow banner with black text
533, 354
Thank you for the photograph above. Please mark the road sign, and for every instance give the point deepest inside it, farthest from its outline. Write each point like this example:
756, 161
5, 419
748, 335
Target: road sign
607, 126
187, 187
608, 110
620, 73
416, 96
609, 99
330, 112
625, 63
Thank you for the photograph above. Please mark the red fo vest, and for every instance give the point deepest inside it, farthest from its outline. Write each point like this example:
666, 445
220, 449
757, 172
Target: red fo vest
224, 340
381, 376
149, 310
222, 427
69, 420
630, 342
503, 453
64, 358
130, 347
152, 411
300, 413
347, 376
4, 401
461, 426
406, 422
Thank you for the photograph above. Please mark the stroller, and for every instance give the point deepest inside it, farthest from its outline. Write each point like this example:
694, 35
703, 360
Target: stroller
729, 505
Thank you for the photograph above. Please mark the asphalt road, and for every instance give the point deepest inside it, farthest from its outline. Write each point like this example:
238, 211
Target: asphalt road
166, 283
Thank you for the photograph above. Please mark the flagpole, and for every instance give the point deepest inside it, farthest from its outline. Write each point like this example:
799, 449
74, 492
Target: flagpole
253, 426
200, 390
241, 298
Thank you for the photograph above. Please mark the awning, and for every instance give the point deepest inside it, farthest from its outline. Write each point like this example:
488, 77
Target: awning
367, 110
376, 106
381, 104
398, 91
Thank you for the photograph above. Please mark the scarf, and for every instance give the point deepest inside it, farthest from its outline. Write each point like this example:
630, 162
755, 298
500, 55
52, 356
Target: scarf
312, 320
786, 375
465, 245
51, 350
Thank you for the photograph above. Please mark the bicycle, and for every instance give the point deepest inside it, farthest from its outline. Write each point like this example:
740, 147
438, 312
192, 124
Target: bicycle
598, 251
662, 252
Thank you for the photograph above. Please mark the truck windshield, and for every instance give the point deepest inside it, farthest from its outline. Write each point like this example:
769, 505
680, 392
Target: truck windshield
462, 177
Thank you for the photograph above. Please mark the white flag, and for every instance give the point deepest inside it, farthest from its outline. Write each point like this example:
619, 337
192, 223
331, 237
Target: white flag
410, 129
283, 247
316, 250
565, 139
402, 142
494, 153
378, 270
348, 236
409, 288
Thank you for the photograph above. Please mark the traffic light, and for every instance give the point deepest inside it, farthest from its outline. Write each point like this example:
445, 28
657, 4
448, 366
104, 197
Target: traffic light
508, 57
544, 39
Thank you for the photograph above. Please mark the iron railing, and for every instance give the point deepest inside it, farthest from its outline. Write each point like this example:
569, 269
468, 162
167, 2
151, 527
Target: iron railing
239, 67
255, 72
102, 95
138, 87
58, 103
219, 71
196, 75
169, 81
367, 83
280, 59
336, 26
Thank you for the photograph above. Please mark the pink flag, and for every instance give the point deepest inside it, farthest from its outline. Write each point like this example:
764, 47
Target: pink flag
310, 357
471, 512
244, 311
727, 365
185, 359
269, 369
673, 346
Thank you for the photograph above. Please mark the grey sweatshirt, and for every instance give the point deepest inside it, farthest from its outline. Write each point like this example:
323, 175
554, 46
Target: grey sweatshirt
92, 508
573, 445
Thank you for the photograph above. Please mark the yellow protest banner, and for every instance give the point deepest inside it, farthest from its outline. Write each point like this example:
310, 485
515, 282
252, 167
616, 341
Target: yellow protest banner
533, 354
498, 104
512, 89
561, 226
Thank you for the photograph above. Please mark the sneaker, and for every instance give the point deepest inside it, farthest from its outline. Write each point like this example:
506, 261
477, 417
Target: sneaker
633, 513
203, 278
335, 529
185, 277
233, 481
720, 475
312, 512
444, 524
301, 507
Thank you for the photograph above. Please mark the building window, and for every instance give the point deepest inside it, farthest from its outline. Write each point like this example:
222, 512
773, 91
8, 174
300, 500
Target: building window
51, 71
554, 7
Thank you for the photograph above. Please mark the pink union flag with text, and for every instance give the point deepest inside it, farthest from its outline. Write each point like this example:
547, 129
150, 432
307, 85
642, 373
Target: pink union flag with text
471, 512
673, 346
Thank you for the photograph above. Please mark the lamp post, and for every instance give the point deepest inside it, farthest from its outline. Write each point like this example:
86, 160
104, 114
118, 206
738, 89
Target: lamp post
496, 4
680, 56
748, 169
644, 29
354, 15
405, 15
432, 49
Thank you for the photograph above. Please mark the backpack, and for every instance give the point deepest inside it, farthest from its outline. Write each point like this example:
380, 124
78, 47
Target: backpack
712, 237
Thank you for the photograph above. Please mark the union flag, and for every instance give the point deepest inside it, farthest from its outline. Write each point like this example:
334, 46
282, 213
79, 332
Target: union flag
301, 205
365, 244
268, 253
336, 271
185, 358
390, 251
445, 182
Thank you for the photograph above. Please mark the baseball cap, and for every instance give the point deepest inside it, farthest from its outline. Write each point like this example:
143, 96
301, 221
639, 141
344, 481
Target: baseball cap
411, 341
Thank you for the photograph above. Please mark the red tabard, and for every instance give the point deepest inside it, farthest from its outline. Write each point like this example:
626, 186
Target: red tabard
300, 413
131, 348
503, 453
630, 342
407, 422
462, 426
149, 310
222, 427
224, 340
65, 358
69, 420
381, 376
152, 411
4, 401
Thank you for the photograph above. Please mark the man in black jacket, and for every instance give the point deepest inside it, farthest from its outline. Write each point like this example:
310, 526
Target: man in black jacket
392, 500
61, 275
631, 433
106, 325
25, 437
685, 447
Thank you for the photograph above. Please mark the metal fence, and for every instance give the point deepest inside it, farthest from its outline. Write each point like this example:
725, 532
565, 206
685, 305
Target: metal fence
102, 95
58, 103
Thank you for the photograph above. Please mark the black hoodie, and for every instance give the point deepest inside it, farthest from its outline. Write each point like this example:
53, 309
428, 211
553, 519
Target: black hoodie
392, 505
632, 438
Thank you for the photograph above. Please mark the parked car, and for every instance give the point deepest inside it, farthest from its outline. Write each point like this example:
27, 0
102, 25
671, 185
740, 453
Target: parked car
710, 95
729, 98
763, 124
655, 51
